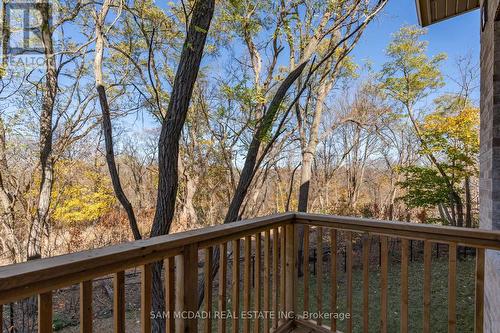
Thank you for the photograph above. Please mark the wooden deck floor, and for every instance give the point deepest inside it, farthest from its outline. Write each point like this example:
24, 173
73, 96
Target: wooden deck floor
302, 326
303, 330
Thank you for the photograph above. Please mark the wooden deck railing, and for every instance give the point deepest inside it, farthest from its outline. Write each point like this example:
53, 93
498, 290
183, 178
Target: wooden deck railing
405, 232
268, 283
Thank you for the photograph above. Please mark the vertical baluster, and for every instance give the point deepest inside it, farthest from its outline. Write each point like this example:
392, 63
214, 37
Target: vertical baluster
427, 286
257, 287
267, 278
452, 288
1, 317
291, 267
179, 291
383, 283
479, 303
319, 276
222, 287
404, 285
333, 276
305, 268
349, 279
283, 269
170, 293
236, 285
366, 282
45, 312
275, 276
86, 307
119, 302
246, 281
190, 254
208, 288
146, 283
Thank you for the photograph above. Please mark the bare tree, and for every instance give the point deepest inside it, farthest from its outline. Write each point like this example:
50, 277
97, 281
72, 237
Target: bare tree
107, 128
34, 250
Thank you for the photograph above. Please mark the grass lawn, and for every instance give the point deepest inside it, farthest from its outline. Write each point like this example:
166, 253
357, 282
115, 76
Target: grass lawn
439, 294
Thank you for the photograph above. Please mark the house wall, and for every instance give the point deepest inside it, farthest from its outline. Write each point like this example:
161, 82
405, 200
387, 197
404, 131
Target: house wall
489, 192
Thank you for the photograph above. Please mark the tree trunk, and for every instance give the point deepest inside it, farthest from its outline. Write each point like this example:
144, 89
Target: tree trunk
168, 145
445, 215
34, 250
5, 34
305, 180
459, 208
392, 200
107, 128
468, 203
187, 218
307, 160
265, 125
9, 241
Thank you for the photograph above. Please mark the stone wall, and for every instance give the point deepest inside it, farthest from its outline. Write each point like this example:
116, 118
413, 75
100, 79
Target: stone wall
489, 192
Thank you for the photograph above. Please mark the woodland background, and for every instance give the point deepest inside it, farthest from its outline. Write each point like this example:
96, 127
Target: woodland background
391, 143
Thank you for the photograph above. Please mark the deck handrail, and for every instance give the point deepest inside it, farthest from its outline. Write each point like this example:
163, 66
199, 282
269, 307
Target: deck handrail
32, 277
444, 234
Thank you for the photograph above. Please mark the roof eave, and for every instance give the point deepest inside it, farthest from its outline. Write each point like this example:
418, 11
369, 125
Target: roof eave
419, 13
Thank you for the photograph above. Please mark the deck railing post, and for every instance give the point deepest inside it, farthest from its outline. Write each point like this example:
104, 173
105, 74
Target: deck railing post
45, 312
86, 307
187, 289
119, 302
291, 267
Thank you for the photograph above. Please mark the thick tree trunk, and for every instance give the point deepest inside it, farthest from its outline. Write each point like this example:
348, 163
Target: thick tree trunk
107, 128
168, 145
308, 151
305, 181
309, 145
34, 250
250, 166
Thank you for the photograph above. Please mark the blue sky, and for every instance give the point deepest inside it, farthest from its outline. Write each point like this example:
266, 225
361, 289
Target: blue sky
456, 36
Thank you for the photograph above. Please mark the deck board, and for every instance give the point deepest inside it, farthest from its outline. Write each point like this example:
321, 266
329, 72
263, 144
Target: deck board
301, 326
302, 330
